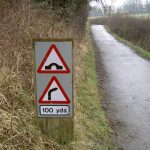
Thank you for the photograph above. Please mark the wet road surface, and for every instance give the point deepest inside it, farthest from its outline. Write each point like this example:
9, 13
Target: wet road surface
129, 89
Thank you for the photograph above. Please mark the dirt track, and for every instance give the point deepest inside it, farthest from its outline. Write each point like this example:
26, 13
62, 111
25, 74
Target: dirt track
128, 87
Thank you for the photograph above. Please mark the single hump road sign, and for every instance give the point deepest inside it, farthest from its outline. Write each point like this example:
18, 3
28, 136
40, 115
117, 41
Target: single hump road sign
54, 93
53, 62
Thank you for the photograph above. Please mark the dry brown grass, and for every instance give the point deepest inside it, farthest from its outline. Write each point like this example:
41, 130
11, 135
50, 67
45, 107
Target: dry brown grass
18, 129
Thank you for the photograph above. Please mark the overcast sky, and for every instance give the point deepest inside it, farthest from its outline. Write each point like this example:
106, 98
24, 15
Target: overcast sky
117, 3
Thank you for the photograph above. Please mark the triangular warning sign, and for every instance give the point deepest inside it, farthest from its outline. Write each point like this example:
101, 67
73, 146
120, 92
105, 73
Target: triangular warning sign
54, 93
53, 62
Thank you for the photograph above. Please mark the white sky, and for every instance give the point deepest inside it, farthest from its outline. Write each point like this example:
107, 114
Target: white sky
117, 3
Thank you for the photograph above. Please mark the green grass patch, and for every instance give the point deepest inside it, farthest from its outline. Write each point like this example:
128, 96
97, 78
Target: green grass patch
142, 52
91, 128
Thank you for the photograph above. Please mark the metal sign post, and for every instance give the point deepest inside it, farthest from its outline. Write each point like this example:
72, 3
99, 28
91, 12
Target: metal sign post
54, 87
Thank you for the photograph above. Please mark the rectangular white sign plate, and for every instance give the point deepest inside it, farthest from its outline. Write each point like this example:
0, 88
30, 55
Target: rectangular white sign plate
54, 110
54, 77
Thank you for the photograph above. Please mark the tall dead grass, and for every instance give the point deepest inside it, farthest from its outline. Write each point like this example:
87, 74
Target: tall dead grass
18, 27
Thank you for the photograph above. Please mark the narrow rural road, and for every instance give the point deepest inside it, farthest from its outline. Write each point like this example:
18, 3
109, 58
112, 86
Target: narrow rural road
128, 79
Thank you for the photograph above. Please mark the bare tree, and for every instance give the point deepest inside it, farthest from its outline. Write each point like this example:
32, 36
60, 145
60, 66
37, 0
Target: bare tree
147, 6
133, 6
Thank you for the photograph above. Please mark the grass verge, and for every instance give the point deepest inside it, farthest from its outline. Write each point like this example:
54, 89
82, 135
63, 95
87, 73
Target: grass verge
18, 127
142, 52
92, 129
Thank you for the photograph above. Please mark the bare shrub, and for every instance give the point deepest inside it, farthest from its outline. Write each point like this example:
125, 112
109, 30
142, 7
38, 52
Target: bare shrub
136, 30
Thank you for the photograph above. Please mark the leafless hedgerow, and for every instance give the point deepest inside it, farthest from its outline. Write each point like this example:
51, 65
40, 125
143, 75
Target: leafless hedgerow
136, 30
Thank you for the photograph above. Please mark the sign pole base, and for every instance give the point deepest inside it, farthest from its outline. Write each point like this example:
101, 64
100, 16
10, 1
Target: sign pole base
60, 130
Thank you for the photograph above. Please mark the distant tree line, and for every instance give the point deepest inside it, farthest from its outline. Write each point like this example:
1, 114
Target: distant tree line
94, 11
136, 6
129, 6
147, 6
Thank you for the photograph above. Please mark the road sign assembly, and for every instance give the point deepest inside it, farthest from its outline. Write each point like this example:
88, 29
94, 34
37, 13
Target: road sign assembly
54, 82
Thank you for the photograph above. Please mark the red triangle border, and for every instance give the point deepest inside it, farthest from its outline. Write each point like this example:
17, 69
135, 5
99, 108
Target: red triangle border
54, 102
53, 46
